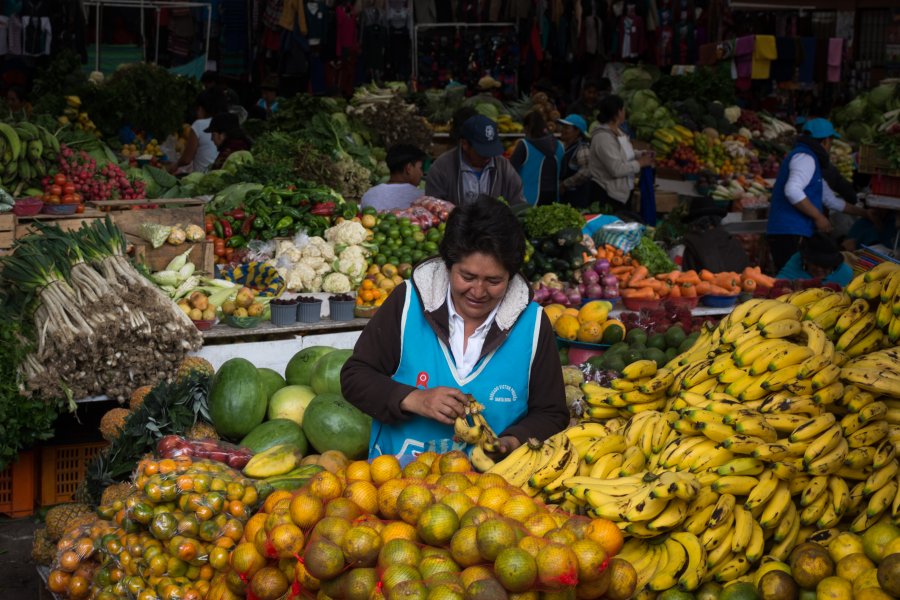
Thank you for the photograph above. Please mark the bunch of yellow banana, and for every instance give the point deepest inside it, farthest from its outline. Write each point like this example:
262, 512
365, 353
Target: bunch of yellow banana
679, 560
642, 388
473, 429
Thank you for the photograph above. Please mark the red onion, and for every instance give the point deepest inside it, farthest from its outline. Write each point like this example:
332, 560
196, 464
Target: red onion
559, 297
601, 266
582, 288
590, 276
541, 295
574, 297
594, 290
609, 280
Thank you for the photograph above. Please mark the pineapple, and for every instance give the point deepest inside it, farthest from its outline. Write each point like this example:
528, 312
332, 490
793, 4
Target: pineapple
117, 491
112, 422
137, 397
202, 431
62, 516
43, 551
192, 364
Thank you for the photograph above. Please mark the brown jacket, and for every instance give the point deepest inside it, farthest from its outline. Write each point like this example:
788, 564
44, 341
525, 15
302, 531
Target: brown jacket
366, 377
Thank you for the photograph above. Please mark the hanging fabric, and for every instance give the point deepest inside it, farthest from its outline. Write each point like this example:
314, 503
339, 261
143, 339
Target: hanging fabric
835, 58
742, 67
808, 61
764, 52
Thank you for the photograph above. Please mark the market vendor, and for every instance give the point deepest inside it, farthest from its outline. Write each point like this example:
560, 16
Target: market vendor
881, 229
462, 324
405, 164
804, 188
475, 167
537, 159
593, 91
228, 136
818, 258
199, 150
707, 245
575, 174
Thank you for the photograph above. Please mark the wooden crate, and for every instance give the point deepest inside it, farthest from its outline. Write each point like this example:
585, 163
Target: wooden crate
872, 162
25, 225
17, 486
7, 230
665, 201
62, 469
174, 211
202, 254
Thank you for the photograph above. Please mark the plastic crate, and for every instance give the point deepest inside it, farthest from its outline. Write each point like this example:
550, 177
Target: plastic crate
884, 185
63, 468
17, 486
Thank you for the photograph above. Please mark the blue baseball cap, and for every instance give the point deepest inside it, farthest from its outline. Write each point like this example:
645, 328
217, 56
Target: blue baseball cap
481, 133
576, 121
820, 129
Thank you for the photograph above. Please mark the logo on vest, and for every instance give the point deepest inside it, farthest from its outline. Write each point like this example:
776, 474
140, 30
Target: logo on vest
422, 379
503, 393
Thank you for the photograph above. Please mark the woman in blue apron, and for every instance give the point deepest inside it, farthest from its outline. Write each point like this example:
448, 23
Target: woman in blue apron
463, 324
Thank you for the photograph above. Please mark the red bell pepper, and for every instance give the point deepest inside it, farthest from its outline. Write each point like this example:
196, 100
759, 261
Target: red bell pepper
226, 228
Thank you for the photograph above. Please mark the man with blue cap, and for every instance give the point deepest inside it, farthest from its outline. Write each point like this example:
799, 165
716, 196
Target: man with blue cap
803, 190
575, 174
474, 168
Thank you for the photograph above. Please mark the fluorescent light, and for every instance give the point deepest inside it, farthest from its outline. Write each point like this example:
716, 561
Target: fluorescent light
764, 6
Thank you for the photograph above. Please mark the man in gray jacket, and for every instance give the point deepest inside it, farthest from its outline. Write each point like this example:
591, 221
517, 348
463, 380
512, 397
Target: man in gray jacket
475, 167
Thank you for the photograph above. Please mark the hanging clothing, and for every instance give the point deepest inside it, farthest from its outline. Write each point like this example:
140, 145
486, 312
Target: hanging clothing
742, 67
293, 15
764, 52
425, 11
835, 58
784, 66
373, 39
808, 60
631, 37
37, 36
15, 35
346, 38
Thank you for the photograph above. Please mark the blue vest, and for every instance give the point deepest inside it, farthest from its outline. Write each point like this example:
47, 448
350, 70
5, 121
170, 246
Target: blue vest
784, 219
499, 381
533, 166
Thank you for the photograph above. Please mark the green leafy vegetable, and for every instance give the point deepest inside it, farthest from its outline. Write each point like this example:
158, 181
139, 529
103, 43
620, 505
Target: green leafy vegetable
547, 220
652, 256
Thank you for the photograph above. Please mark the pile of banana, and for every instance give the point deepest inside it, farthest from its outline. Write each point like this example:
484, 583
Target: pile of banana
473, 429
873, 318
768, 432
26, 152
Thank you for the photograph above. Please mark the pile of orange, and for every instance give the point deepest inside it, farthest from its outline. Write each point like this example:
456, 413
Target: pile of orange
432, 529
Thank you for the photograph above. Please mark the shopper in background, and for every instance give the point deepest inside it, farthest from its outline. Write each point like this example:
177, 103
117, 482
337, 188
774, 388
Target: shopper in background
405, 164
474, 168
575, 173
614, 163
228, 136
881, 229
818, 258
538, 159
803, 191
593, 91
199, 149
462, 324
267, 105
706, 244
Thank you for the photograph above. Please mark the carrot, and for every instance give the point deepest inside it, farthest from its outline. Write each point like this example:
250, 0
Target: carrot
688, 290
707, 275
615, 261
639, 274
647, 283
748, 285
645, 293
620, 270
757, 275
703, 288
727, 280
717, 290
675, 291
690, 277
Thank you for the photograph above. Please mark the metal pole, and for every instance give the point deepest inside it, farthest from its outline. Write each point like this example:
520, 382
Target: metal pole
156, 57
97, 39
208, 34
143, 33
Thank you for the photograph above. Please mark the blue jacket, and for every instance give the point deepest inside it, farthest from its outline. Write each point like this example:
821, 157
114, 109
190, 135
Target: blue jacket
784, 218
793, 269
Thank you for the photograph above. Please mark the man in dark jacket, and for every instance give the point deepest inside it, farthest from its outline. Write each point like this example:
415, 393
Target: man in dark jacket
475, 167
707, 245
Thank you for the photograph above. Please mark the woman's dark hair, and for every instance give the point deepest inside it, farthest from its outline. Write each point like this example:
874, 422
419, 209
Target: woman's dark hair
400, 155
820, 250
211, 101
487, 226
461, 115
701, 224
609, 107
534, 124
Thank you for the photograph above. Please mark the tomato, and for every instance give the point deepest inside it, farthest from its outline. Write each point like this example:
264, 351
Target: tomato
79, 209
69, 199
78, 197
69, 188
56, 190
59, 179
53, 199
219, 247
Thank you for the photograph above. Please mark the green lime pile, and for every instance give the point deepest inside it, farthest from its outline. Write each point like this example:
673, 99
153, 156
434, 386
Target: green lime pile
397, 241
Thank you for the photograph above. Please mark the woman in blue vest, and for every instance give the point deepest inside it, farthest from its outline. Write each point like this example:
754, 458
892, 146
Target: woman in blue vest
462, 324
803, 190
538, 159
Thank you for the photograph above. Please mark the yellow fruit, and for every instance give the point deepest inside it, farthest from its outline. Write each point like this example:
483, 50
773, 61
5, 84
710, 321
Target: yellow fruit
844, 544
387, 498
518, 508
590, 332
553, 312
399, 552
877, 537
364, 494
358, 470
591, 557
384, 468
492, 536
594, 311
567, 326
306, 511
437, 524
834, 588
515, 569
557, 567
325, 485
867, 579
413, 501
398, 530
853, 565
494, 498
361, 546
459, 502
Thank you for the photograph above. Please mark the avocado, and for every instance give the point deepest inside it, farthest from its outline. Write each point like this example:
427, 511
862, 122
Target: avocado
671, 353
688, 342
564, 356
631, 356
616, 363
636, 335
675, 335
599, 361
658, 341
656, 355
617, 347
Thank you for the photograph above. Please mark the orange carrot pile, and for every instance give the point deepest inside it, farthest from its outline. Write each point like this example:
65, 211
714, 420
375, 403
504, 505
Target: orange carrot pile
689, 284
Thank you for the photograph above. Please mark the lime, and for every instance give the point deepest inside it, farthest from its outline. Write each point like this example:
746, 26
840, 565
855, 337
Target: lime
379, 238
394, 233
418, 236
416, 255
409, 242
433, 235
406, 232
380, 259
430, 247
405, 221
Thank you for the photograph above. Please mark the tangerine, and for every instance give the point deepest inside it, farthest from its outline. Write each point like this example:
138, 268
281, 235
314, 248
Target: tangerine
455, 482
494, 498
286, 540
492, 536
539, 524
591, 560
358, 470
274, 498
269, 583
332, 528
416, 470
325, 485
364, 494
518, 508
305, 511
396, 574
344, 508
388, 494
323, 559
399, 552
476, 516
459, 502
427, 458
384, 468
454, 461
360, 583
532, 544
557, 566
398, 530
412, 502
607, 534
515, 569
361, 546
437, 524
490, 480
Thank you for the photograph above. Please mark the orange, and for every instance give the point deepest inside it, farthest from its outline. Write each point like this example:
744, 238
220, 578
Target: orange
490, 480
359, 584
398, 530
58, 582
494, 498
474, 493
515, 569
332, 528
269, 583
412, 502
399, 552
325, 485
397, 574
245, 560
455, 482
477, 515
475, 573
432, 566
344, 508
518, 508
437, 524
286, 540
539, 524
358, 470
361, 546
387, 497
416, 470
607, 534
274, 498
432, 478
427, 458
454, 461
459, 502
305, 511
557, 567
532, 544
384, 468
493, 536
561, 536
591, 560
323, 559
464, 548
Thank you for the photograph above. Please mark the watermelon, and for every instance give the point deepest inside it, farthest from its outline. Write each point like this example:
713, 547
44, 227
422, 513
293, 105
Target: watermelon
272, 381
237, 399
332, 423
326, 373
299, 369
274, 433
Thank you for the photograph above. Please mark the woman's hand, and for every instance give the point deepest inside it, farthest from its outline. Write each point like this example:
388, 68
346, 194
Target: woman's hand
508, 443
646, 159
442, 404
822, 223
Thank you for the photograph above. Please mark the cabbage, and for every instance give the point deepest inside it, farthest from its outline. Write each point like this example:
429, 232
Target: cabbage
488, 110
636, 78
644, 101
858, 131
881, 95
236, 159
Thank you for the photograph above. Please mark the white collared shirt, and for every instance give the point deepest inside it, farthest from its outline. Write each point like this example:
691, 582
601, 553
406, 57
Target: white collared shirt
466, 352
475, 183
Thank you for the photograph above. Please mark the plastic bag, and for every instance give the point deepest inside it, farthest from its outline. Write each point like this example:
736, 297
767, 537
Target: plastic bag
230, 454
154, 233
624, 236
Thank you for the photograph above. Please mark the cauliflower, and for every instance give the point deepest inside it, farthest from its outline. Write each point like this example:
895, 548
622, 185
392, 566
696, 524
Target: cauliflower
318, 247
352, 262
346, 233
336, 283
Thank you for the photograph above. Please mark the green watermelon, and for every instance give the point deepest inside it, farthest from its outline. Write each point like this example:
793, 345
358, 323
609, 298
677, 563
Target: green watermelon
273, 433
332, 423
237, 399
326, 374
299, 369
272, 381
